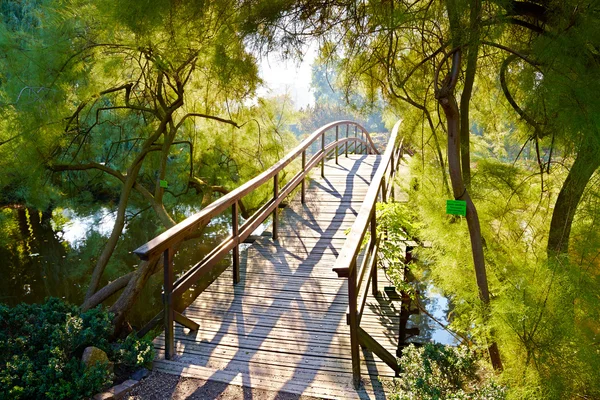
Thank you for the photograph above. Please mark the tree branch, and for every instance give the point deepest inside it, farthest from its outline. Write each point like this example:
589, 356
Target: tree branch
207, 116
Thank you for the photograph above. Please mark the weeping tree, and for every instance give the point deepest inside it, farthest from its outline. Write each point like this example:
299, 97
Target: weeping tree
119, 100
426, 58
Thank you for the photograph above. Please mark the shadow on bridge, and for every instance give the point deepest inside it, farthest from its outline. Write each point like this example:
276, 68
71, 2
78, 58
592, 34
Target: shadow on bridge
288, 312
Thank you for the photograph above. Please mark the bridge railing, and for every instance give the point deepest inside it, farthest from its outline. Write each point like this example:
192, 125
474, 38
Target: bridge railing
360, 277
167, 243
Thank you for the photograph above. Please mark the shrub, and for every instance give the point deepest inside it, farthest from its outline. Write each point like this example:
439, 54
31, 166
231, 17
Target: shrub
41, 347
436, 372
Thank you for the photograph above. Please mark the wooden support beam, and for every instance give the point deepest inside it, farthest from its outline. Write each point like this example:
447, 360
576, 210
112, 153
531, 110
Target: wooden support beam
373, 345
185, 321
336, 148
275, 196
236, 250
324, 155
303, 195
168, 303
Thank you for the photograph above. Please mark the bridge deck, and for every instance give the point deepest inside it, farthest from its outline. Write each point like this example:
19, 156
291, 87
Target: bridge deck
283, 327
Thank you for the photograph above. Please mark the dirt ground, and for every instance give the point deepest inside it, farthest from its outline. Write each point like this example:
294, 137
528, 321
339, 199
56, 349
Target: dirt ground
160, 386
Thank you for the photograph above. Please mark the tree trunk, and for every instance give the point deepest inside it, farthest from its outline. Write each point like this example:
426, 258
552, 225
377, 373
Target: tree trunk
586, 163
465, 98
448, 103
111, 244
126, 300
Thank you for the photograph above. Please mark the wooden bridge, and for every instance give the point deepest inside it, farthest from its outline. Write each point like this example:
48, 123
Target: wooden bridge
299, 310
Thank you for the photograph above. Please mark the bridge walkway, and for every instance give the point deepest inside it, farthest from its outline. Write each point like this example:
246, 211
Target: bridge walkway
283, 326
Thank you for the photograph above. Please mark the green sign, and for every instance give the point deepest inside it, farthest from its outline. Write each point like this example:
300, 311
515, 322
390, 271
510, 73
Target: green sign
163, 184
456, 207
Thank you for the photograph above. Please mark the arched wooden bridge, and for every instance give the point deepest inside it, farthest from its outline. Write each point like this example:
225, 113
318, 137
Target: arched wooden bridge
299, 310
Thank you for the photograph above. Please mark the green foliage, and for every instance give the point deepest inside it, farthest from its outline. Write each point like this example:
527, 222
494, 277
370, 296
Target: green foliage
435, 372
543, 314
132, 352
41, 347
399, 224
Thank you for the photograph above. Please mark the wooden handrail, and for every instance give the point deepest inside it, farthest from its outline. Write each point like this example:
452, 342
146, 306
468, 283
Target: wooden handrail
178, 233
167, 243
346, 263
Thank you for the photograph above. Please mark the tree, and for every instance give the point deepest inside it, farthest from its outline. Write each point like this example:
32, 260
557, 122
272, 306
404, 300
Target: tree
118, 99
405, 49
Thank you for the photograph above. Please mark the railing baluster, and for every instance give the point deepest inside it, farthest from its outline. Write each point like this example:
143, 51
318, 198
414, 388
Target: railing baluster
275, 195
236, 249
303, 193
353, 322
323, 151
336, 145
355, 136
347, 130
168, 303
392, 175
374, 239
361, 138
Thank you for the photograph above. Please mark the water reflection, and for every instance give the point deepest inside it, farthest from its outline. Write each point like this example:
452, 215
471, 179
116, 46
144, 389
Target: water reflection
77, 229
430, 329
53, 254
424, 315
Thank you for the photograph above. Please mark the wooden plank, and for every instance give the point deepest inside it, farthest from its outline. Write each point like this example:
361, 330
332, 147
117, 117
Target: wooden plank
282, 329
286, 318
324, 386
219, 357
233, 333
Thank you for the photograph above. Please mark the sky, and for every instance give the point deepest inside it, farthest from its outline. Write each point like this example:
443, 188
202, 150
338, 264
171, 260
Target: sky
289, 76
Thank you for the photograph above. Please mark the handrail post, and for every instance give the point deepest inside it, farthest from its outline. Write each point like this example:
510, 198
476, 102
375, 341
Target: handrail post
236, 249
356, 137
323, 151
362, 136
168, 303
347, 130
336, 145
374, 241
353, 323
303, 192
275, 195
392, 175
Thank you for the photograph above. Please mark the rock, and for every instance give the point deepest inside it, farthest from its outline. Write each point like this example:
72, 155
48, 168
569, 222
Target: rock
140, 374
93, 355
117, 392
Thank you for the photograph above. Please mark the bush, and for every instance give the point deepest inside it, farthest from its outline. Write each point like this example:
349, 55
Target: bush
436, 372
41, 347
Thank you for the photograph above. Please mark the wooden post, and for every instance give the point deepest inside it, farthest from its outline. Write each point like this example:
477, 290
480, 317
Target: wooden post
356, 136
303, 194
353, 322
347, 129
323, 151
362, 136
168, 303
236, 249
336, 146
392, 175
275, 195
374, 236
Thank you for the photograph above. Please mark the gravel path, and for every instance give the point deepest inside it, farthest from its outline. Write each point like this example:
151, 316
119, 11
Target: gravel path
159, 386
